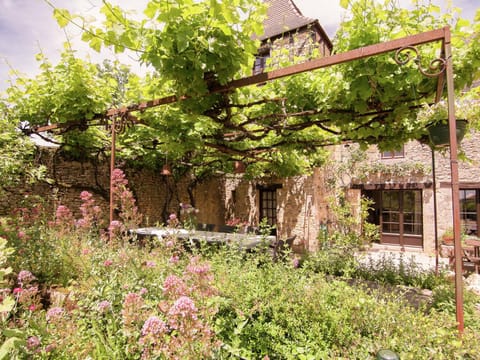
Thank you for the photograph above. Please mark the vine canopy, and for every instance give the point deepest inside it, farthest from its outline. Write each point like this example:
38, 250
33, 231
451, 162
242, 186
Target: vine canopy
281, 127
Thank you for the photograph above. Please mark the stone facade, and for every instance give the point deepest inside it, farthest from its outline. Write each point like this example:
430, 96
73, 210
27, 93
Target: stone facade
302, 205
414, 170
157, 195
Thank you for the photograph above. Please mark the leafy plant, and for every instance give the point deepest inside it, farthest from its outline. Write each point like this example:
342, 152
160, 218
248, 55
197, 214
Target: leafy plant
280, 128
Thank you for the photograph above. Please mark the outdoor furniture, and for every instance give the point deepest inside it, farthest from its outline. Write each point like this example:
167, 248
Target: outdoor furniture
205, 227
244, 241
472, 256
227, 228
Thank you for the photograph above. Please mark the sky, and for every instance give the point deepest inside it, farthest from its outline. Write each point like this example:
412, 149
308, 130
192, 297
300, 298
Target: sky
27, 27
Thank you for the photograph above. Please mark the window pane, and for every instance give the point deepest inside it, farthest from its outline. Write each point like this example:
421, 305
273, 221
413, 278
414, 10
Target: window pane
468, 210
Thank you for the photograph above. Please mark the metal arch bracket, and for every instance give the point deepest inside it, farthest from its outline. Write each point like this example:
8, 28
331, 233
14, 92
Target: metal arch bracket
119, 123
410, 53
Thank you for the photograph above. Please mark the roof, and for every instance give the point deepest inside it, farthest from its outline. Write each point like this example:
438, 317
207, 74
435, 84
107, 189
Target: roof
283, 16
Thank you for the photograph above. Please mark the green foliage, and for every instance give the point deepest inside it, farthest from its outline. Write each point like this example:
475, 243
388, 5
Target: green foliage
188, 42
7, 304
16, 152
70, 90
328, 318
280, 128
392, 270
246, 305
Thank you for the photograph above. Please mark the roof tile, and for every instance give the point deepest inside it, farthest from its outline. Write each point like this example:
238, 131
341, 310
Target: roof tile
283, 16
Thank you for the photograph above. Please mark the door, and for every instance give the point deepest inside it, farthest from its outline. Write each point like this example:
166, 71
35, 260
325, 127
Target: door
268, 207
399, 215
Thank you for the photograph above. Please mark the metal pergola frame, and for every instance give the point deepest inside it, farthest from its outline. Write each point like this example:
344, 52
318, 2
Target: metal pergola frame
444, 71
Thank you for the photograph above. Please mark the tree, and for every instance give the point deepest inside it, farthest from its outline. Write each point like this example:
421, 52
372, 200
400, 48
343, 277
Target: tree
280, 128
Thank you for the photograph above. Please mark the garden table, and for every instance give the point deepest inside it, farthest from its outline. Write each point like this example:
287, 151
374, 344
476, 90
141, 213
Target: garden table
244, 241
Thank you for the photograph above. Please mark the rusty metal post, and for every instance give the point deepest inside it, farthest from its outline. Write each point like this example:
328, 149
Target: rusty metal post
112, 165
435, 209
457, 245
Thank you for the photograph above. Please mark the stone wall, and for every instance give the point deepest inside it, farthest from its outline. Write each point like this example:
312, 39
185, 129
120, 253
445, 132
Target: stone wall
157, 195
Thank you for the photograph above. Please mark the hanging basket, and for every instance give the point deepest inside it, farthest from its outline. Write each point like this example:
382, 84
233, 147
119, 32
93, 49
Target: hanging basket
439, 134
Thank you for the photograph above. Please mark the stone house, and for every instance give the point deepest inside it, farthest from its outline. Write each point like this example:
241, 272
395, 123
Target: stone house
410, 206
288, 35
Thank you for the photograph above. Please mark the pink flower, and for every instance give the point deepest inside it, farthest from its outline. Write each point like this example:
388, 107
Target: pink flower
172, 217
85, 196
21, 234
173, 285
104, 306
32, 307
63, 214
85, 251
131, 309
17, 291
174, 259
33, 342
143, 291
295, 262
107, 262
154, 326
132, 299
169, 244
196, 268
150, 264
55, 313
184, 307
82, 223
25, 277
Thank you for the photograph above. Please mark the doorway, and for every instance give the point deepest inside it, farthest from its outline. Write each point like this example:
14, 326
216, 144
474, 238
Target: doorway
399, 215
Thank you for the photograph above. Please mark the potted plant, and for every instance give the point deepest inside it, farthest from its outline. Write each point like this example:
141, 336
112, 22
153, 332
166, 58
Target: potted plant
447, 237
435, 118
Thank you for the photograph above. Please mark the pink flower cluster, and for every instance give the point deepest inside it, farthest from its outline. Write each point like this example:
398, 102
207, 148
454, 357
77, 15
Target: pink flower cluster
25, 277
181, 329
124, 200
64, 217
183, 307
131, 309
173, 286
33, 342
91, 213
195, 268
54, 314
104, 306
154, 326
173, 220
116, 229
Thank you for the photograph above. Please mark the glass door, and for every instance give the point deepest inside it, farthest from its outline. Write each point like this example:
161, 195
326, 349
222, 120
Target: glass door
401, 217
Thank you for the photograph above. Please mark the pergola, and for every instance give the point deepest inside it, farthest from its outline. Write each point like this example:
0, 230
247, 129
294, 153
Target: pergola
404, 48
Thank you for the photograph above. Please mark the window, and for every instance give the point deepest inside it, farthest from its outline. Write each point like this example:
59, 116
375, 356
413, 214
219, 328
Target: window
261, 59
268, 206
395, 154
469, 204
260, 64
402, 212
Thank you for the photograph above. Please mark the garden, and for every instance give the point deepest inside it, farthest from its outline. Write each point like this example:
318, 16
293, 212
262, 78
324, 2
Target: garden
75, 286
71, 289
